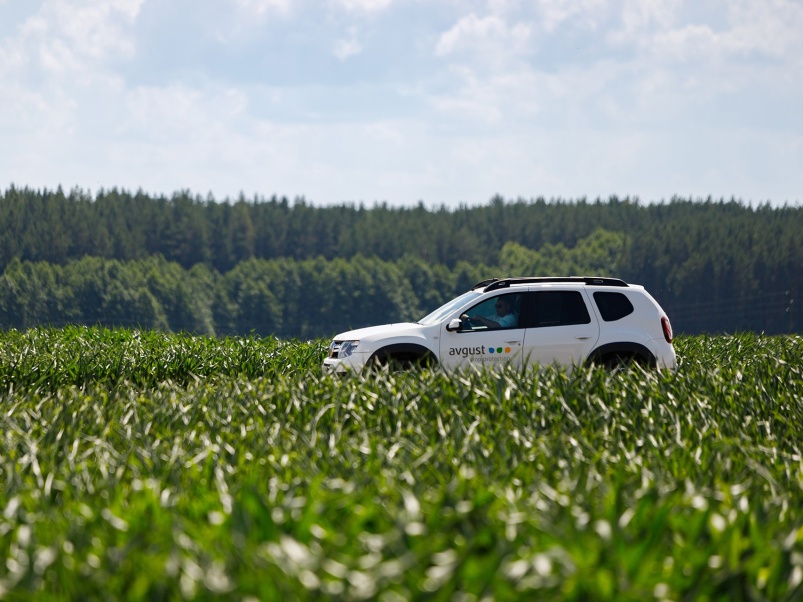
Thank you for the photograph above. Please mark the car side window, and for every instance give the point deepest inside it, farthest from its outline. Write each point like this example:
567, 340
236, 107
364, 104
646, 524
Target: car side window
497, 313
557, 308
613, 306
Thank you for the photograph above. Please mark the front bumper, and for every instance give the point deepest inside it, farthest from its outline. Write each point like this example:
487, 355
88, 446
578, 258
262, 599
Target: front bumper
352, 363
332, 366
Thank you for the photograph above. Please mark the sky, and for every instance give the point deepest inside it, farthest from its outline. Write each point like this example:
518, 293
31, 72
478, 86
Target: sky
445, 102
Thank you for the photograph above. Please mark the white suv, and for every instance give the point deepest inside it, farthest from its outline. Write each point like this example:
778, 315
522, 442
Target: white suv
521, 321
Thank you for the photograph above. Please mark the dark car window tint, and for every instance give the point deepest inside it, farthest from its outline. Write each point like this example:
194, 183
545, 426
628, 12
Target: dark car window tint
559, 308
613, 306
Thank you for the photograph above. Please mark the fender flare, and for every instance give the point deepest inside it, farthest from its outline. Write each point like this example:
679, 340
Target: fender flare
636, 350
404, 352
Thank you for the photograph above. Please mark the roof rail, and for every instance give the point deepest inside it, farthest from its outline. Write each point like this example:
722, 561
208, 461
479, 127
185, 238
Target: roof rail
483, 283
496, 283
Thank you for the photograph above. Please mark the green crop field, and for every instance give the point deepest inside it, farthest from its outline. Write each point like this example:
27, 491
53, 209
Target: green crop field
145, 466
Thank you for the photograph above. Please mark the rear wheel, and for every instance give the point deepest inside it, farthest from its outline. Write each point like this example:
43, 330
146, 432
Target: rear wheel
620, 361
620, 356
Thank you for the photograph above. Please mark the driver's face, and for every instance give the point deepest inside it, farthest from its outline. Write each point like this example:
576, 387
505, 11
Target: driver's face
502, 307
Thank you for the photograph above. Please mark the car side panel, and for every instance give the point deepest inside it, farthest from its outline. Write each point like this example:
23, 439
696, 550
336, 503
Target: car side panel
561, 344
492, 348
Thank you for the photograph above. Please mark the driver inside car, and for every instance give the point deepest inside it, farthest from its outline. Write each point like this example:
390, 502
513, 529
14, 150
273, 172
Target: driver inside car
505, 316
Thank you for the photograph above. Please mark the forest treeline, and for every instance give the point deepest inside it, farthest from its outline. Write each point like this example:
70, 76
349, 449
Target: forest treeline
275, 266
284, 297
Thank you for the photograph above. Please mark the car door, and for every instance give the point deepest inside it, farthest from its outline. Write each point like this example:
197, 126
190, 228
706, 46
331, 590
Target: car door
560, 327
478, 341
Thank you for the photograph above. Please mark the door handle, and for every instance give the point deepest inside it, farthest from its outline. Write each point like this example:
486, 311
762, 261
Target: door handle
516, 342
582, 338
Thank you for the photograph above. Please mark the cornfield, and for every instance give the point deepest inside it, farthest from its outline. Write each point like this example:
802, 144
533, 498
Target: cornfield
145, 466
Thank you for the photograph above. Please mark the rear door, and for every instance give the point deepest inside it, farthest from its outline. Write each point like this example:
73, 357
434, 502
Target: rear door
560, 327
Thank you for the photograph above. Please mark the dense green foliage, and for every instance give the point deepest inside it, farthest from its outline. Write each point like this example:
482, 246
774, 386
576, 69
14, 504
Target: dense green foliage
150, 466
714, 266
49, 359
285, 297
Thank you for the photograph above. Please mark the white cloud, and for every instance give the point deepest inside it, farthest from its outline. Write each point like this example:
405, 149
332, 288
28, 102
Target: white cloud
553, 13
638, 16
474, 34
768, 28
347, 48
64, 38
666, 98
178, 109
97, 29
498, 99
492, 83
57, 63
364, 5
260, 7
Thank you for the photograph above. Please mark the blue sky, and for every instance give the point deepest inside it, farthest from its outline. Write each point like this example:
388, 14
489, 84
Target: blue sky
401, 101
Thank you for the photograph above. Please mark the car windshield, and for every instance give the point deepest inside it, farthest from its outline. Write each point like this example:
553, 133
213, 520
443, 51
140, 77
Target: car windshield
444, 310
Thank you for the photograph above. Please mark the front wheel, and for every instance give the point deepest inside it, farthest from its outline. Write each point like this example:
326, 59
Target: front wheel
402, 362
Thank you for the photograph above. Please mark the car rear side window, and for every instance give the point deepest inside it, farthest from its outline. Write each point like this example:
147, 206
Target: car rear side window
558, 308
613, 306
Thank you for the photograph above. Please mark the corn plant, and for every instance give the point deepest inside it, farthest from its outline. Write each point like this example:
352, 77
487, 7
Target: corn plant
146, 466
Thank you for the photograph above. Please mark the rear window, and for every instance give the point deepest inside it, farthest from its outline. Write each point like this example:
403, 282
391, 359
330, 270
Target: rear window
558, 308
613, 306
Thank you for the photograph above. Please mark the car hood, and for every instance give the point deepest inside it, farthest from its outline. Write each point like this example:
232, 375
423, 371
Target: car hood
383, 331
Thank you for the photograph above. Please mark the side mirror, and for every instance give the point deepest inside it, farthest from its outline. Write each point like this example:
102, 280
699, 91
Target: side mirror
455, 324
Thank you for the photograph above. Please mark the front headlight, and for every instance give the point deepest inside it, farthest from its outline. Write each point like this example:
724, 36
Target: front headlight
341, 349
348, 347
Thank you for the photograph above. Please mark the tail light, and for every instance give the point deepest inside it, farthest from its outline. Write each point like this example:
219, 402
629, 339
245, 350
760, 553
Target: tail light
667, 329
